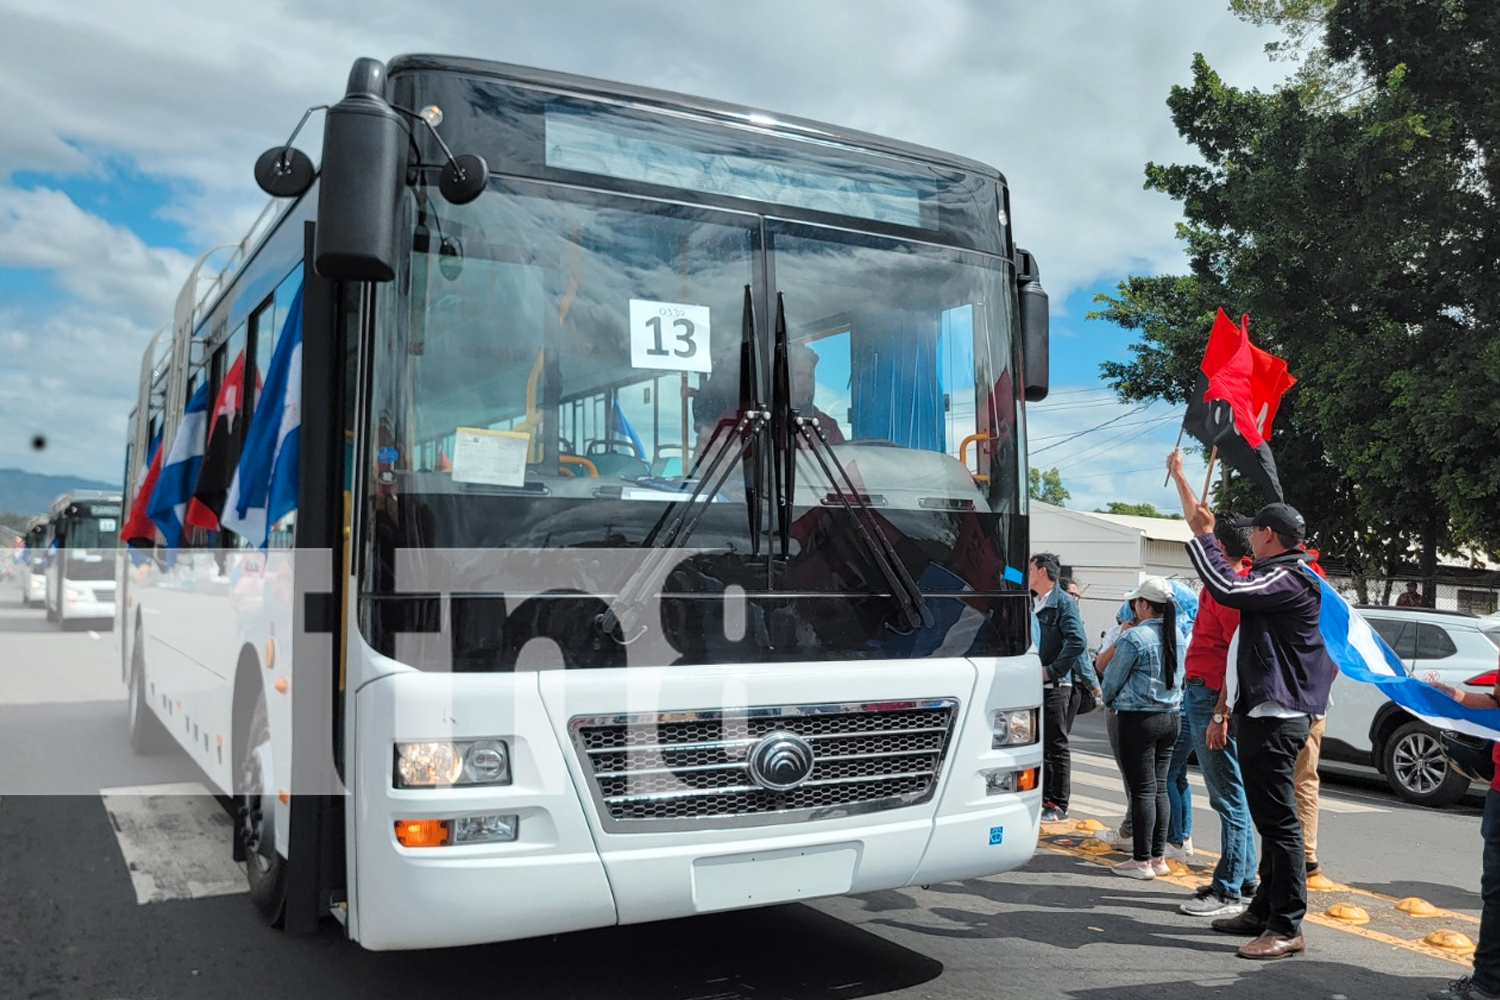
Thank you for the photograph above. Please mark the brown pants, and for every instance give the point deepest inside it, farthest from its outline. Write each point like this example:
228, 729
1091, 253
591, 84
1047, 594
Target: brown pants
1306, 779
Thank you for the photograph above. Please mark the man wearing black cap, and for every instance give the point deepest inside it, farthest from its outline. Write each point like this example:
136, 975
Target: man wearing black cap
1281, 676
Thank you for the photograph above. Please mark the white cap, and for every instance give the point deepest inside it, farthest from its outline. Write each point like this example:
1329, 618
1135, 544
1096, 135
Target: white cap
1155, 589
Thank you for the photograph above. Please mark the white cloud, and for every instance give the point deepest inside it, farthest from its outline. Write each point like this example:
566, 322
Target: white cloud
91, 260
1105, 450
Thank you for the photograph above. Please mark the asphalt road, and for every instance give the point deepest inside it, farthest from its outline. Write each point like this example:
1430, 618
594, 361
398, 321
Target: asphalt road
111, 893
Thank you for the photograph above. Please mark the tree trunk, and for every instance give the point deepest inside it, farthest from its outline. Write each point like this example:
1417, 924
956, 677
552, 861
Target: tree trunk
1429, 562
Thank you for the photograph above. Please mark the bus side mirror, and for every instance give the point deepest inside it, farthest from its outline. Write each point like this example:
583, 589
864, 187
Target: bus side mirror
1035, 353
365, 143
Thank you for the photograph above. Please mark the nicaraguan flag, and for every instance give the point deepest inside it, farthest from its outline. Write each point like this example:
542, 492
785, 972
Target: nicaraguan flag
264, 489
1359, 651
167, 507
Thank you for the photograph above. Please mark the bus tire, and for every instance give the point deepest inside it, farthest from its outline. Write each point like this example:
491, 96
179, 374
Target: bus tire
255, 797
147, 735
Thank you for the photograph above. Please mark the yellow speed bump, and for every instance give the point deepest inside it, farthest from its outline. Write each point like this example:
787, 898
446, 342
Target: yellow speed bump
1348, 913
1449, 941
1089, 826
1321, 883
1415, 906
1095, 846
1177, 867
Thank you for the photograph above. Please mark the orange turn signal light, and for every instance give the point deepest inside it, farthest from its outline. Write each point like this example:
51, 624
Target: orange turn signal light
422, 832
1026, 780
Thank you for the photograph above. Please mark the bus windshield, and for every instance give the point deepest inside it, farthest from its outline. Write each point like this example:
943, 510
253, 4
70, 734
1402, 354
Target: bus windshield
562, 359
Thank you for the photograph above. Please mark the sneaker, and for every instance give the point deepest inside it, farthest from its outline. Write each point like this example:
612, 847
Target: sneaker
1209, 902
1159, 866
1134, 869
1247, 892
1182, 850
1462, 989
1120, 839
1052, 814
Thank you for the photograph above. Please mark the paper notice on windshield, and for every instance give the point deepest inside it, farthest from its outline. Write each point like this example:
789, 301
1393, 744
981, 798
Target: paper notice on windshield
493, 458
669, 336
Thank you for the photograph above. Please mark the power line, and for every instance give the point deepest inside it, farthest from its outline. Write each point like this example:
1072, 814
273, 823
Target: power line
1131, 412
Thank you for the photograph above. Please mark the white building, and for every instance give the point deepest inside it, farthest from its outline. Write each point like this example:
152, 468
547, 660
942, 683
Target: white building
1108, 554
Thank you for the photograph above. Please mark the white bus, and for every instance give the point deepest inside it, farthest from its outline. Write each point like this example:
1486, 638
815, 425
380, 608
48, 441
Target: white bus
79, 558
660, 517
31, 565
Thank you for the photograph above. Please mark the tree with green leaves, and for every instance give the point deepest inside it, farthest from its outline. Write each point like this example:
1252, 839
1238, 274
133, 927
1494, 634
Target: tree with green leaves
1047, 487
1135, 510
1347, 213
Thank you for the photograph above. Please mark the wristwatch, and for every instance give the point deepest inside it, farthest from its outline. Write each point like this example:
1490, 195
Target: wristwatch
1218, 718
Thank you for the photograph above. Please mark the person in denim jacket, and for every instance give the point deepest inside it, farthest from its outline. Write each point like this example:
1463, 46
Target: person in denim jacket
1143, 684
1060, 644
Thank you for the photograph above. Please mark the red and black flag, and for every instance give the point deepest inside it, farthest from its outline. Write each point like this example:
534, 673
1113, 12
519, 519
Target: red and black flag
226, 439
1238, 391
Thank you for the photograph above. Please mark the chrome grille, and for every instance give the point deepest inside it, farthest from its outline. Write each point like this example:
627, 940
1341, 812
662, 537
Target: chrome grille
688, 770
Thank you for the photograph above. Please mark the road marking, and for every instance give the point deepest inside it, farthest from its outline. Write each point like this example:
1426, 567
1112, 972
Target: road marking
175, 840
1326, 803
1194, 879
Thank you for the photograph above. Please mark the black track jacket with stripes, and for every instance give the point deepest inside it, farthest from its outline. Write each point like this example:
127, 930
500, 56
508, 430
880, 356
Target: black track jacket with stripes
1282, 657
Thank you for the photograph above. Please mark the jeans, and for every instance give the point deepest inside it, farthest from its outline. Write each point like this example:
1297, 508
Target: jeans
1179, 794
1487, 955
1268, 753
1235, 872
1146, 740
1057, 761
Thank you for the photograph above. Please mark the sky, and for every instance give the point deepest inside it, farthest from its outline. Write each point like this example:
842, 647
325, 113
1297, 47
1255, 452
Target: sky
135, 127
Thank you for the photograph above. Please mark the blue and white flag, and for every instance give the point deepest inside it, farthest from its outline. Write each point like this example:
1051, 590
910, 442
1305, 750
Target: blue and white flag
622, 426
1359, 651
167, 507
264, 489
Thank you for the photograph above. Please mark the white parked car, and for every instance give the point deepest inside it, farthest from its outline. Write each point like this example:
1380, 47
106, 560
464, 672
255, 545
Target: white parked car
1365, 727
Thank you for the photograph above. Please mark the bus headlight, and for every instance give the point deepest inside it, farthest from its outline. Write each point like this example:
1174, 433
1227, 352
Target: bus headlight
1013, 728
74, 594
445, 763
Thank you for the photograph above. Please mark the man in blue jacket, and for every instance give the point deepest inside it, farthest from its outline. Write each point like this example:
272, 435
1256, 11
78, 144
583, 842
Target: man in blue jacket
1061, 645
1281, 676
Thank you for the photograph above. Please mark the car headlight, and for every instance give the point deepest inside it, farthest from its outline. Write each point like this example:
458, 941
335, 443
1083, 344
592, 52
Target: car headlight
1013, 728
446, 763
74, 594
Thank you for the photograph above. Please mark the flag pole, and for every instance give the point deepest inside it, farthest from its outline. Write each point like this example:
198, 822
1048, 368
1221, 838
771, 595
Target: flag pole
1180, 431
1208, 480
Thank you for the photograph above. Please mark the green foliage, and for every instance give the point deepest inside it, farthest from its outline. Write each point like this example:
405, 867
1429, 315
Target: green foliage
16, 522
1135, 510
1047, 487
1348, 213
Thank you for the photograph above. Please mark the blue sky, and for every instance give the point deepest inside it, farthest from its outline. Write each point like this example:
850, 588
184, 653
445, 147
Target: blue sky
142, 124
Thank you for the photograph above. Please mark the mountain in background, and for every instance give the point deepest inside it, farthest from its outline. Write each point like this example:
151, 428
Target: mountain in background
30, 493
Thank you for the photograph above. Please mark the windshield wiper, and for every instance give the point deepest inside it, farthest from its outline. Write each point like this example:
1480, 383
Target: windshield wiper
910, 604
621, 621
787, 426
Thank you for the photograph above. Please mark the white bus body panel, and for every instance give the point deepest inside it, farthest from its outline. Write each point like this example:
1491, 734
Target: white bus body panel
567, 872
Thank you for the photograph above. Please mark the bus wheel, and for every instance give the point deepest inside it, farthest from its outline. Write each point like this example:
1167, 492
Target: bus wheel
265, 868
147, 735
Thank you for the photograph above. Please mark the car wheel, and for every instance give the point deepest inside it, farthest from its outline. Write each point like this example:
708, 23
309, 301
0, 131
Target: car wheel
1418, 770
